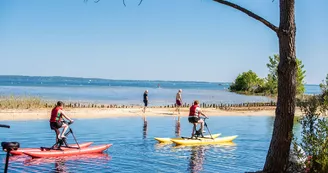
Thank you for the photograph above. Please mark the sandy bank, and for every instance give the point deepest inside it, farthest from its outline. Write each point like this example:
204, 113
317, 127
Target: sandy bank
44, 113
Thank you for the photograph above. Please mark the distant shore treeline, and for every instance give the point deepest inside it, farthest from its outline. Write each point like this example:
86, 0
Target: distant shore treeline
59, 81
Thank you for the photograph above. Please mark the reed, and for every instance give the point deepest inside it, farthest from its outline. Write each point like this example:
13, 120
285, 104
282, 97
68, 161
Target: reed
21, 102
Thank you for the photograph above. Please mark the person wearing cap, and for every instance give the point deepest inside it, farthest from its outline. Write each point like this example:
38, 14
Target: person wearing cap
145, 100
178, 101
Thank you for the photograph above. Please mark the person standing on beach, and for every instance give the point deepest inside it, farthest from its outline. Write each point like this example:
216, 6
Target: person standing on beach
178, 101
56, 123
145, 100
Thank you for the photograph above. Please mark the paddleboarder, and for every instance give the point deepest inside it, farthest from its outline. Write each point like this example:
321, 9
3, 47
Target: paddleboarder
194, 116
56, 123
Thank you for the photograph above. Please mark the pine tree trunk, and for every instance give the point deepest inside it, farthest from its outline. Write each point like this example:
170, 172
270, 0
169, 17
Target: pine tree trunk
278, 154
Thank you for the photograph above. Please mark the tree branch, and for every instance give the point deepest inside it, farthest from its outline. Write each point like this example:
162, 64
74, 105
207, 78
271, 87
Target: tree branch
140, 2
96, 1
249, 13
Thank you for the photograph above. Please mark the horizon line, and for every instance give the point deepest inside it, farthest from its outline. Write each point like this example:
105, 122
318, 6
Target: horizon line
123, 79
112, 79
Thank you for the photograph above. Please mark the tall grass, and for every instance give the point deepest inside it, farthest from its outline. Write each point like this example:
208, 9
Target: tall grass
27, 102
21, 102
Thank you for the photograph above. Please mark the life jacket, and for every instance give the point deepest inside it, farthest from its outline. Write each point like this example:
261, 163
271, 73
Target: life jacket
55, 114
193, 112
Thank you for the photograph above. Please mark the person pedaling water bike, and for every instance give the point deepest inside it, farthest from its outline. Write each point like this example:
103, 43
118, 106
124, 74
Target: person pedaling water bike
194, 117
56, 120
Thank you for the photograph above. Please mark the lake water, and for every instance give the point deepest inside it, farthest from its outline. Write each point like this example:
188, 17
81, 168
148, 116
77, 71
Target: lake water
125, 91
135, 150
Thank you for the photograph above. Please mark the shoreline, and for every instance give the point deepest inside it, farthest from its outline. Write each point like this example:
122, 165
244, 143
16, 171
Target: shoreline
95, 113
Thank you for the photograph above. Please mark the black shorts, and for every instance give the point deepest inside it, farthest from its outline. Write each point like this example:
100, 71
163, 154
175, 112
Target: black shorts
56, 125
193, 119
146, 102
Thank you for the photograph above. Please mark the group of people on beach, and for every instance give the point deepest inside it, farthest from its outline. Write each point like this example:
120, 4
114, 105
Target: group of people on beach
178, 101
57, 115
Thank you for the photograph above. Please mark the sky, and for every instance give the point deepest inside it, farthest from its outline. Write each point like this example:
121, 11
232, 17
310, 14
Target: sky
186, 40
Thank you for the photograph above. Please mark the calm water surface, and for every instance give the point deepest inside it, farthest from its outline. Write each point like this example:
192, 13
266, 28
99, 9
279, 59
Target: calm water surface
125, 91
135, 150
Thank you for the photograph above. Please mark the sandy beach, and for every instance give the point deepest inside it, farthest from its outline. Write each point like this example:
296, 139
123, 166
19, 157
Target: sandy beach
77, 113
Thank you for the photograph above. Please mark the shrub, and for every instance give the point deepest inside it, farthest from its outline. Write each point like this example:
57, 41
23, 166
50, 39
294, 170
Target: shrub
314, 136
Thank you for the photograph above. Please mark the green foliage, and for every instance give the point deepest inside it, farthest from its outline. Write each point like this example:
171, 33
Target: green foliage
314, 135
247, 82
314, 131
324, 90
271, 86
300, 75
272, 79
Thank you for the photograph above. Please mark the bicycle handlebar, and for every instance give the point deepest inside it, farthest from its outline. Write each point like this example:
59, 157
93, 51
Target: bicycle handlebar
4, 126
68, 123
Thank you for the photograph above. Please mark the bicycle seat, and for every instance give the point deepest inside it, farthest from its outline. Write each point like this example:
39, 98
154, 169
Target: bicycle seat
8, 146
